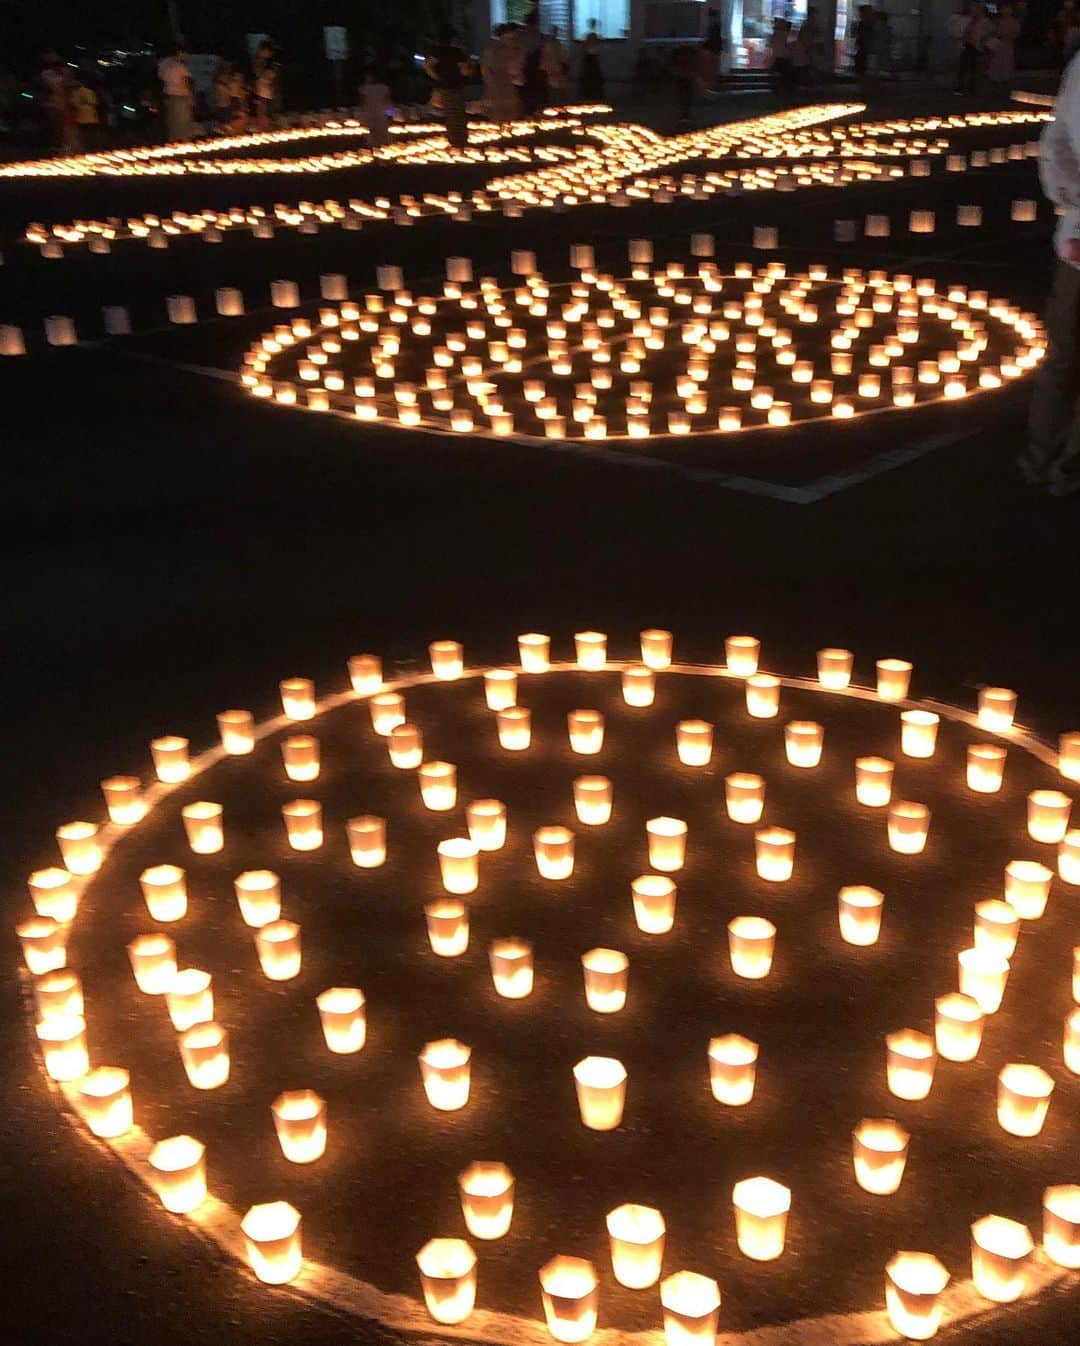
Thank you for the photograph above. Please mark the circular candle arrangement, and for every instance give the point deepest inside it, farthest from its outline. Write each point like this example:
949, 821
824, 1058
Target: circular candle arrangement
573, 1027
675, 349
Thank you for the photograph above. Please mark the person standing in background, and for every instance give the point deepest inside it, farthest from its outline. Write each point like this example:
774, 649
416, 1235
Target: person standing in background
1001, 44
179, 99
553, 63
448, 68
375, 106
591, 74
497, 68
712, 49
973, 33
53, 96
84, 114
1052, 456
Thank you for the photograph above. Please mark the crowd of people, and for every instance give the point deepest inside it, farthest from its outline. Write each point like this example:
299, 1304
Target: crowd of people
798, 56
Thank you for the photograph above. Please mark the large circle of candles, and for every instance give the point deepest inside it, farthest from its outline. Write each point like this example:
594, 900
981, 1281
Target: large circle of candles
387, 710
985, 767
744, 796
1061, 1225
586, 730
272, 1238
834, 668
667, 843
58, 994
636, 1235
123, 799
600, 1082
458, 865
909, 1064
691, 1305
178, 1169
656, 649
447, 927
1023, 1098
694, 742
741, 654
515, 728
1000, 1256
638, 685
367, 841
202, 823
1047, 815
918, 732
592, 800
53, 894
997, 927
914, 1284
447, 659
751, 941
591, 649
279, 950
553, 848
62, 1039
958, 1026
511, 963
190, 998
860, 910
873, 781
204, 1050
438, 785
298, 698
763, 695
342, 1012
1027, 888
997, 709
79, 847
606, 973
761, 1215
654, 903
983, 974
300, 1123
44, 944
487, 1199
303, 824
774, 853
486, 819
880, 1150
153, 961
237, 730
732, 1069
803, 741
365, 673
105, 1101
534, 652
1069, 756
893, 679
300, 755
909, 824
570, 1290
405, 743
170, 754
258, 894
500, 688
445, 1071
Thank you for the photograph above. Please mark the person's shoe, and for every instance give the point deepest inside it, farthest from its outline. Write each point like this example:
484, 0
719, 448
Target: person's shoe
1030, 473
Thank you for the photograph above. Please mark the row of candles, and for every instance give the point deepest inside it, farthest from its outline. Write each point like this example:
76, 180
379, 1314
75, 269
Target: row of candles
880, 1146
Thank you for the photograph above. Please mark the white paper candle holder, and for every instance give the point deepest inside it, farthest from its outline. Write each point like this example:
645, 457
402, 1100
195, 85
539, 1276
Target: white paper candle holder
893, 679
600, 1082
918, 733
447, 927
958, 1026
553, 848
570, 1290
1000, 1258
636, 1235
914, 1284
300, 1122
744, 796
880, 1151
606, 974
367, 841
178, 1173
487, 1199
279, 949
1023, 1099
751, 943
272, 1238
1061, 1225
204, 1050
774, 851
445, 1069
732, 1069
910, 1061
761, 1206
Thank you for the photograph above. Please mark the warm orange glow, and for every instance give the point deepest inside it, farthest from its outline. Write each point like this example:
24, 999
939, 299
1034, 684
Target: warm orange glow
342, 1012
448, 1279
204, 1050
447, 927
190, 998
958, 1026
606, 973
1061, 1225
636, 1235
691, 1305
153, 961
914, 1283
570, 1290
300, 1123
600, 1082
860, 914
278, 946
761, 1216
1023, 1098
164, 889
1000, 1256
553, 848
910, 1060
909, 824
880, 1155
487, 1199
258, 894
893, 679
732, 1069
445, 1071
751, 940
1027, 888
744, 796
178, 1166
272, 1236
774, 851
667, 843
367, 841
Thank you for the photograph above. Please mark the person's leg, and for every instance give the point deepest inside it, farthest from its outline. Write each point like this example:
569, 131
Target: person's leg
1053, 445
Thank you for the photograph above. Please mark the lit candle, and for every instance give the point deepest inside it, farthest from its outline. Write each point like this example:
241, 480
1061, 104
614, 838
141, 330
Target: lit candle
763, 696
445, 1071
570, 1291
202, 823
447, 659
761, 1216
638, 685
997, 927
591, 649
487, 1199
123, 799
190, 998
860, 914
774, 851
636, 1234
342, 1013
741, 654
834, 668
153, 961
237, 731
909, 1065
744, 796
691, 1305
983, 974
873, 781
438, 785
365, 673
303, 824
586, 729
694, 742
447, 927
405, 744
600, 1082
458, 865
1000, 1255
300, 755
893, 679
279, 949
258, 894
1023, 1099
985, 767
918, 732
486, 819
515, 728
880, 1151
387, 710
593, 800
44, 944
178, 1168
500, 688
997, 709
511, 963
80, 851
204, 1050
606, 972
553, 848
1068, 861
1027, 888
654, 903
298, 698
1069, 756
367, 841
534, 652
656, 649
1061, 1225
908, 827
732, 1069
1047, 815
53, 894
300, 1123
803, 741
667, 843
914, 1283
272, 1237
63, 1046
751, 941
958, 1026
58, 995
